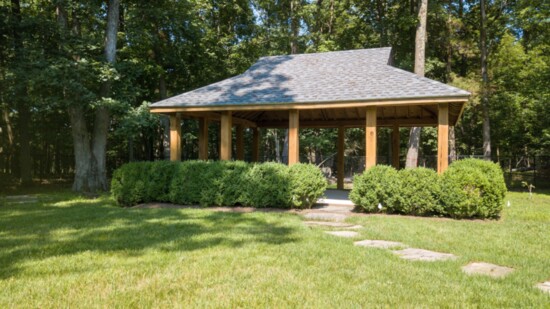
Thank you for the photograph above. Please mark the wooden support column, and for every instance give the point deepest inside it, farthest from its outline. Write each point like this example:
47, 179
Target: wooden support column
370, 135
443, 138
255, 144
395, 146
340, 158
175, 137
240, 142
203, 138
293, 138
225, 135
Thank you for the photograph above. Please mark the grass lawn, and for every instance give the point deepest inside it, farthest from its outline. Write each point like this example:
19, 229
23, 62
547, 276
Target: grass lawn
65, 251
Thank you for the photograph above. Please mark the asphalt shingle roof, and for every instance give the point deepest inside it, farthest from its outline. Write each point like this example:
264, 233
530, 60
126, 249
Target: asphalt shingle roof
343, 76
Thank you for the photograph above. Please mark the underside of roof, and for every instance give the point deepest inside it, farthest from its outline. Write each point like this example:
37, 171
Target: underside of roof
329, 89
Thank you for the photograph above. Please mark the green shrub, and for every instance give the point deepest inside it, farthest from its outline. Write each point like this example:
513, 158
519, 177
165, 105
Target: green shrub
473, 189
225, 183
268, 185
420, 192
231, 186
195, 182
308, 184
123, 184
378, 185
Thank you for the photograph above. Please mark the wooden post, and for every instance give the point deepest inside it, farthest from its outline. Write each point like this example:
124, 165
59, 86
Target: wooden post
175, 137
340, 158
370, 135
395, 143
255, 144
293, 139
240, 142
443, 138
225, 135
203, 138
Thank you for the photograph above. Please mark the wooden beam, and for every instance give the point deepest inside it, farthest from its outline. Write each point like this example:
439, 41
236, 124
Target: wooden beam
255, 145
203, 138
217, 117
293, 138
310, 105
395, 146
443, 138
225, 136
340, 157
175, 137
353, 123
370, 137
240, 142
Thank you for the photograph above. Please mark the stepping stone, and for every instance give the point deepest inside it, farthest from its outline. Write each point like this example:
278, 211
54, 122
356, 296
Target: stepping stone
346, 234
333, 224
382, 244
414, 254
545, 286
326, 216
492, 270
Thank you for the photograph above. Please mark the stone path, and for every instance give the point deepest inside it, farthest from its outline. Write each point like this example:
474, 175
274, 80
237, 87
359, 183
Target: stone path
381, 244
333, 224
488, 269
332, 214
415, 254
346, 234
545, 286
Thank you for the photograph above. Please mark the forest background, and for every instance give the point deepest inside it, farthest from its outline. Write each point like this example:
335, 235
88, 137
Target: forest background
76, 77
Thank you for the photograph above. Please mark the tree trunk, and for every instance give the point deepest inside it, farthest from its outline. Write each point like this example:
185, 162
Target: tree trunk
453, 156
485, 85
419, 61
164, 120
294, 27
84, 178
23, 109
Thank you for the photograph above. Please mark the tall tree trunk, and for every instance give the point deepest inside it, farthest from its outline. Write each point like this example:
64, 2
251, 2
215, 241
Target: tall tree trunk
419, 61
294, 26
485, 85
85, 178
102, 114
23, 109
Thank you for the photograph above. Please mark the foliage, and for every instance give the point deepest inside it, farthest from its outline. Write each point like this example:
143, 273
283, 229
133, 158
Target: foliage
473, 188
420, 192
307, 183
269, 185
224, 183
379, 185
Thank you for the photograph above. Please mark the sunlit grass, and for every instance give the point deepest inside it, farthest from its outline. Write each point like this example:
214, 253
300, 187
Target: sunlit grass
67, 251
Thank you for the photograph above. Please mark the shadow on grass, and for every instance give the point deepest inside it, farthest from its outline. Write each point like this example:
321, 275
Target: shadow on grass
30, 232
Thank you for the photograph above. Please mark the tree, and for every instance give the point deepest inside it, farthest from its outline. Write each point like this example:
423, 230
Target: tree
484, 83
419, 68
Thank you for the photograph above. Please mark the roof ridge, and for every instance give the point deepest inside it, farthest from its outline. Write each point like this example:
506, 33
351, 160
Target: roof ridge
327, 52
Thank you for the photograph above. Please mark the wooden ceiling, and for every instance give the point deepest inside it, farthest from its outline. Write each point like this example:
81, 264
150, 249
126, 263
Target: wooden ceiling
401, 115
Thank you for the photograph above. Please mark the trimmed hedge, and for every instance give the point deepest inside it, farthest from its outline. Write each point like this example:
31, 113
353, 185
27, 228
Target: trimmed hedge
380, 184
469, 188
217, 183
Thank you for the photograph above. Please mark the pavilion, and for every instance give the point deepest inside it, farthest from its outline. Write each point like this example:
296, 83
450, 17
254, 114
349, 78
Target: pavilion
354, 88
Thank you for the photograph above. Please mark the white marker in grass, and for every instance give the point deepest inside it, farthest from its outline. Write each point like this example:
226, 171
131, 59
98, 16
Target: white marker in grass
380, 206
